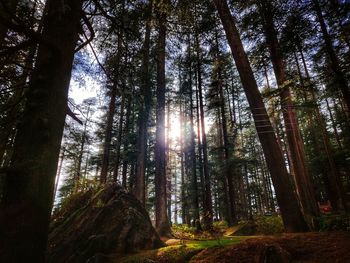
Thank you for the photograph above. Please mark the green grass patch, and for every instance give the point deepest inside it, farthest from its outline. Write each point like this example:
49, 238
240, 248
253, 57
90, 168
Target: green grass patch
180, 253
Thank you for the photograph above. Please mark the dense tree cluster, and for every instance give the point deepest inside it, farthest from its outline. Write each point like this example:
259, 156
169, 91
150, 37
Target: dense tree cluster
206, 110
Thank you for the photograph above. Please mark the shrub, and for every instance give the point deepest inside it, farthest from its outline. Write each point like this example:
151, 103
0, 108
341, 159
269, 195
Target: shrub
334, 222
268, 225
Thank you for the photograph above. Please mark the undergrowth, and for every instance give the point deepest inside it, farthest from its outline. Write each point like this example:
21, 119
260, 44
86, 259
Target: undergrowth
334, 222
179, 253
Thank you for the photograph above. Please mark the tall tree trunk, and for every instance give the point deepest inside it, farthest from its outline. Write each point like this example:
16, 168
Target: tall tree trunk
162, 222
59, 170
333, 185
227, 149
195, 199
182, 164
119, 139
110, 114
207, 203
199, 142
81, 151
15, 102
126, 144
296, 147
146, 92
291, 214
29, 182
340, 78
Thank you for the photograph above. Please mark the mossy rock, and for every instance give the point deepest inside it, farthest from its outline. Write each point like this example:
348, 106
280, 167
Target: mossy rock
103, 222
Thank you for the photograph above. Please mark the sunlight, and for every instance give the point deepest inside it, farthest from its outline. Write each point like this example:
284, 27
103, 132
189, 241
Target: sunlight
174, 127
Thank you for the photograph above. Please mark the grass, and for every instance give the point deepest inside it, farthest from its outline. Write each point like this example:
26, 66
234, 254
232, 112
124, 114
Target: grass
179, 253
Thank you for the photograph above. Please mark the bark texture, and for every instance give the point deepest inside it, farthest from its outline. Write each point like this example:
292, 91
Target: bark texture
299, 169
290, 210
29, 181
139, 189
162, 222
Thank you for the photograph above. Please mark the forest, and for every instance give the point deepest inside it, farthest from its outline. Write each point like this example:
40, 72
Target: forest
174, 131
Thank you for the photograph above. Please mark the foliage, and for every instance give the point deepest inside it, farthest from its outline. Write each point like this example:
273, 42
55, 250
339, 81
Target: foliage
179, 253
183, 231
267, 225
264, 225
334, 222
220, 224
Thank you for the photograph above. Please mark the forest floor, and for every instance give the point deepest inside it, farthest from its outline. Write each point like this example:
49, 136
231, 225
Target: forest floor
323, 247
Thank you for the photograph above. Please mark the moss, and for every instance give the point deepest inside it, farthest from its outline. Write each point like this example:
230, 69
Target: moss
179, 253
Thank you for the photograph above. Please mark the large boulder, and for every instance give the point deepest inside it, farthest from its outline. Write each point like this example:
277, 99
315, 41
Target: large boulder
100, 223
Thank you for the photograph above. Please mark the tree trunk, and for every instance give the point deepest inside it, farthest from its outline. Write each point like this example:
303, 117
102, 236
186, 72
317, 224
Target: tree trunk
199, 142
296, 147
292, 217
227, 151
162, 222
207, 203
126, 144
81, 151
182, 163
119, 139
146, 92
340, 78
29, 182
195, 199
110, 116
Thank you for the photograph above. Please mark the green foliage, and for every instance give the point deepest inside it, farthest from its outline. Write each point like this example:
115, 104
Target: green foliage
220, 225
183, 231
268, 225
189, 233
179, 253
334, 222
263, 225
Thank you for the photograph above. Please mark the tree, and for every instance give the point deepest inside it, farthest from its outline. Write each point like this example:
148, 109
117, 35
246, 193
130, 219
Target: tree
37, 142
340, 79
162, 222
290, 210
146, 92
296, 146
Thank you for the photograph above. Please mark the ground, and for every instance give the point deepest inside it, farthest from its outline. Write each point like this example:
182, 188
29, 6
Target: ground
326, 247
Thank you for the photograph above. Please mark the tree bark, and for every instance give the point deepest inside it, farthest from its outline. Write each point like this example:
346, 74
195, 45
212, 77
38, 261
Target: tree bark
29, 181
207, 203
126, 144
162, 222
146, 92
119, 139
296, 146
81, 150
340, 78
195, 199
110, 116
227, 150
291, 214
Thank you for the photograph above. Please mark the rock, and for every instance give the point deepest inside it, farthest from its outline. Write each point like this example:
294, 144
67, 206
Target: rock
99, 223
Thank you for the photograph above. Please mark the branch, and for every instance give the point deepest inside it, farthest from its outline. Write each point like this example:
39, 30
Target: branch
7, 51
19, 26
92, 33
73, 116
